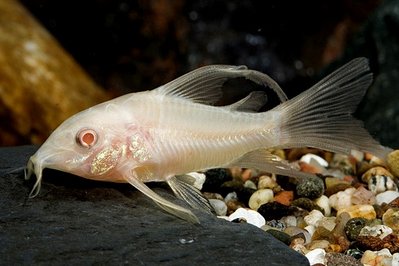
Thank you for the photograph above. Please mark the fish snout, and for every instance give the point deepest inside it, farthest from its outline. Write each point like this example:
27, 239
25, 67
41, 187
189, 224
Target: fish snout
34, 167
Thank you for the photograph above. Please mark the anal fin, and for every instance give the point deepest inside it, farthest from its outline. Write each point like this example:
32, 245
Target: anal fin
265, 161
189, 193
181, 212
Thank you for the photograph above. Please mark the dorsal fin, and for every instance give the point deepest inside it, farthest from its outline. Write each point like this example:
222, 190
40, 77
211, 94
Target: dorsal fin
204, 85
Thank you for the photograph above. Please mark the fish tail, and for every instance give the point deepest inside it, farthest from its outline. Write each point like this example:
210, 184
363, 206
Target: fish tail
321, 116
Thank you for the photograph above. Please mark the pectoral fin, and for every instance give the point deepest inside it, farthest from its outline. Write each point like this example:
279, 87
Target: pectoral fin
183, 213
264, 160
189, 193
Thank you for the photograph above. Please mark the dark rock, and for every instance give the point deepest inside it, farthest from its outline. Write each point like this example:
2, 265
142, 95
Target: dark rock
214, 179
311, 188
275, 210
353, 227
283, 237
277, 224
81, 222
306, 204
354, 252
237, 186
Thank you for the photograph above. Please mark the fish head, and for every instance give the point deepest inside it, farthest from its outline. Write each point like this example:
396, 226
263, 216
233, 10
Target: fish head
87, 144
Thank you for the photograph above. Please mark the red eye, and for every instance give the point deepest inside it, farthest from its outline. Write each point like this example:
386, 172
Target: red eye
86, 138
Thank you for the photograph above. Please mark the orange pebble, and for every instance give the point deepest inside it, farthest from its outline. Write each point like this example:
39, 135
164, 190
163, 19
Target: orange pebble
284, 197
246, 174
307, 168
368, 156
348, 178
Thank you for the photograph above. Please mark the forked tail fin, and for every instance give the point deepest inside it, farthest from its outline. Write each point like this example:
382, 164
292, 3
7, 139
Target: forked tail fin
321, 116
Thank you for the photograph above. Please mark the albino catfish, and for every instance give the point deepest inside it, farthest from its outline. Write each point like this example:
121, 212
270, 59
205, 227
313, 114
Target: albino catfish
165, 133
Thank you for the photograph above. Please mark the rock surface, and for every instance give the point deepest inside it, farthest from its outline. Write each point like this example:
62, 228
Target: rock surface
80, 222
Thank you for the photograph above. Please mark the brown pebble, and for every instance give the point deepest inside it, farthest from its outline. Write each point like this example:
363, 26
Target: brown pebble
374, 243
341, 243
233, 205
380, 210
393, 162
363, 167
375, 171
394, 203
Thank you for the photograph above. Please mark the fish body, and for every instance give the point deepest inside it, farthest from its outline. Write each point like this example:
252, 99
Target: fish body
161, 135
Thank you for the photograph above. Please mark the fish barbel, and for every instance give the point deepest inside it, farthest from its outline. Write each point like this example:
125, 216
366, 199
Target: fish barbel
165, 133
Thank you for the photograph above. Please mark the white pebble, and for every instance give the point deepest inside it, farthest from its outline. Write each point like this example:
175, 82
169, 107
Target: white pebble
289, 220
251, 216
260, 197
380, 183
379, 258
379, 230
311, 229
342, 199
267, 182
395, 259
384, 252
294, 231
386, 197
231, 196
314, 217
199, 179
358, 155
328, 223
314, 160
324, 203
219, 206
316, 256
250, 184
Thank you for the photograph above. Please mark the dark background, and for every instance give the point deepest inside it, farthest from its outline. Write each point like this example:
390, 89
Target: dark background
137, 45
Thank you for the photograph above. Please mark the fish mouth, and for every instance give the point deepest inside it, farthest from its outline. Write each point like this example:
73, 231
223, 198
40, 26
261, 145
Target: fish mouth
49, 157
43, 158
34, 167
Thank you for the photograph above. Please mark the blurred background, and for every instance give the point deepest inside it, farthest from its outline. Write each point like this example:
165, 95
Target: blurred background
127, 46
